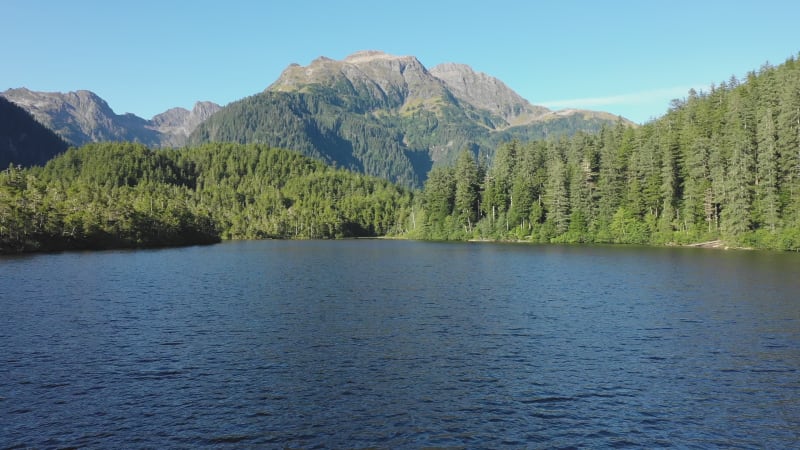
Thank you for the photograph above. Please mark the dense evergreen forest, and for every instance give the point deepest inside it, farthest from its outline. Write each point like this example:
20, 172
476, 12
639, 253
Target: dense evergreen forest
113, 195
720, 165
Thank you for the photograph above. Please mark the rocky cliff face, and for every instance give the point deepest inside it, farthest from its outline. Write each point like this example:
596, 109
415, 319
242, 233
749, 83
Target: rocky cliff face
176, 124
81, 117
485, 92
381, 80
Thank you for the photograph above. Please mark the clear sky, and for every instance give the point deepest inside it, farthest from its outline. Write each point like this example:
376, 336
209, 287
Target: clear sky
626, 57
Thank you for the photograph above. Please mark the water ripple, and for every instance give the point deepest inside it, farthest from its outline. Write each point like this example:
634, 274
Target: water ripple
365, 344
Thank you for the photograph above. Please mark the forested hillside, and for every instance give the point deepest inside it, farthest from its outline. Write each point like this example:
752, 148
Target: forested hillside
125, 195
23, 140
723, 164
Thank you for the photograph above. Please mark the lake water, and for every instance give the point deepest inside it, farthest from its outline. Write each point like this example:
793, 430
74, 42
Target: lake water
394, 344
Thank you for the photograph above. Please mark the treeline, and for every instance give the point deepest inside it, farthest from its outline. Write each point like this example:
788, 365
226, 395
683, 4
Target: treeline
723, 164
114, 195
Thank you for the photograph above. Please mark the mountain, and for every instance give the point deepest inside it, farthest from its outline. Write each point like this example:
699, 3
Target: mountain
389, 115
81, 117
23, 140
489, 93
176, 124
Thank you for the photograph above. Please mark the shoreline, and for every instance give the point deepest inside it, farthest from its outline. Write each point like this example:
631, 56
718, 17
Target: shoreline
717, 244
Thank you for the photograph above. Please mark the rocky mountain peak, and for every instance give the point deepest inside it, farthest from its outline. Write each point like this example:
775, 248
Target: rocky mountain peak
368, 64
378, 79
205, 109
376, 63
367, 55
402, 82
177, 124
182, 117
487, 92
372, 56
78, 117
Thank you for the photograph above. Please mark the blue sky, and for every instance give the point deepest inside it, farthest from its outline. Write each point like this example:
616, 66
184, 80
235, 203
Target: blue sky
626, 57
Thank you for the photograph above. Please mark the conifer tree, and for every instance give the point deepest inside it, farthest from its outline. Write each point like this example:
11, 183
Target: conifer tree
766, 180
466, 190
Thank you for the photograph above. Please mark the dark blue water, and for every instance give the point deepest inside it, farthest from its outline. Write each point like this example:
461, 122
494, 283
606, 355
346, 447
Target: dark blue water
400, 345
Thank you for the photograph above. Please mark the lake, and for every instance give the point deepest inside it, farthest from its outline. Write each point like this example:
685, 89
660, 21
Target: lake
400, 344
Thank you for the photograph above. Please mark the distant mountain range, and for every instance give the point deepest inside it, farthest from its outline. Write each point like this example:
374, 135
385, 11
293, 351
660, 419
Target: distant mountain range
81, 117
372, 112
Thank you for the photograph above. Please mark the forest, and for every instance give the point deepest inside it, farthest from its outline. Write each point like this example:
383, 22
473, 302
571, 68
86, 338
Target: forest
118, 195
720, 165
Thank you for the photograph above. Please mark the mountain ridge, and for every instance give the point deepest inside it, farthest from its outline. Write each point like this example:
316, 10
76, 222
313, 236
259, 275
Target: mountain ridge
463, 80
82, 116
476, 89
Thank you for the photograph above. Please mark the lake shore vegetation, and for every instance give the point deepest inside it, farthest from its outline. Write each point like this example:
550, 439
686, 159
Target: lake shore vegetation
121, 195
722, 165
